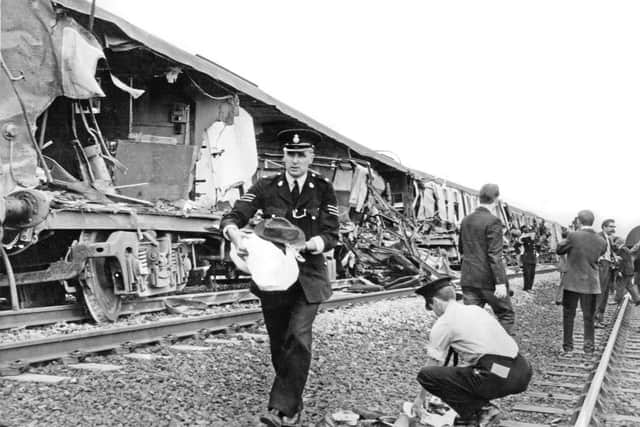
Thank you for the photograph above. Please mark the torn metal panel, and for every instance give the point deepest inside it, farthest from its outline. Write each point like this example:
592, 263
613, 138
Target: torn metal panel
162, 170
43, 56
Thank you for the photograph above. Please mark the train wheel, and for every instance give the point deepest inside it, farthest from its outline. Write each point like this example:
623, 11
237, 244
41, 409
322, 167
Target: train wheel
101, 277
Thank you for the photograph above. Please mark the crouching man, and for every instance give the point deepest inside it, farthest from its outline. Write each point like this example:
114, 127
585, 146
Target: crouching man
489, 364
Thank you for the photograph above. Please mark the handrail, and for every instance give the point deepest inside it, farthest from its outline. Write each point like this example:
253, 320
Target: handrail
586, 413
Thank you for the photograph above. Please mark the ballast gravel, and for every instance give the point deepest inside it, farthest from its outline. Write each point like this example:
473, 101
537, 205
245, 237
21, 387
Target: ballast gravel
365, 357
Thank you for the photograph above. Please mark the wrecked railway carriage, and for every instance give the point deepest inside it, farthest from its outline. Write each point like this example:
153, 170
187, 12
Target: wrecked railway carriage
120, 152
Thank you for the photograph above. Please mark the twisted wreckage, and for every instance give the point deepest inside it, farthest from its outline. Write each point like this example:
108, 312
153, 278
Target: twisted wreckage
120, 152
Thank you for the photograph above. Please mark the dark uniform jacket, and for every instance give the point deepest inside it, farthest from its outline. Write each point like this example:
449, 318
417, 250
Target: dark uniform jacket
626, 264
583, 248
315, 212
481, 249
529, 254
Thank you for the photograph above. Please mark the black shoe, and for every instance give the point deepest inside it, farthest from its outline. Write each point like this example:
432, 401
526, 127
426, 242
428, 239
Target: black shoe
470, 421
271, 418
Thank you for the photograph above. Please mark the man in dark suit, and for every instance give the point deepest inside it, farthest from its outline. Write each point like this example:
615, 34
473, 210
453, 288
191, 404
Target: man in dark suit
528, 257
308, 201
483, 278
581, 281
607, 270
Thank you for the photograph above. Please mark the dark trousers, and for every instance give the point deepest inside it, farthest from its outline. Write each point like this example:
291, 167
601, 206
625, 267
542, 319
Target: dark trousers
623, 285
528, 274
606, 283
501, 307
470, 388
569, 304
289, 319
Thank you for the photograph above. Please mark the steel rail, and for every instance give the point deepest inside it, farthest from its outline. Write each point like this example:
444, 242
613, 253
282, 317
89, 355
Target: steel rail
75, 312
586, 416
51, 348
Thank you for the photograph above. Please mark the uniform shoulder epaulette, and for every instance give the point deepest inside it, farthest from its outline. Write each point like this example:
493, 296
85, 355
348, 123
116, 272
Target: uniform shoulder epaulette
319, 177
275, 179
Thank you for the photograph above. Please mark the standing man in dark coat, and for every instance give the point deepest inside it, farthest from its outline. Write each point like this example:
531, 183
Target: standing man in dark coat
483, 278
308, 201
607, 270
528, 257
581, 282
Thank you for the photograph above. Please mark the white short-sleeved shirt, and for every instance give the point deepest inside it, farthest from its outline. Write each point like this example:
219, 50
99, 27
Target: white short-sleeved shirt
472, 332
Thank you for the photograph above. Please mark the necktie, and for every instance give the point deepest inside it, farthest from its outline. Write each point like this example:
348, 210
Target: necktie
295, 191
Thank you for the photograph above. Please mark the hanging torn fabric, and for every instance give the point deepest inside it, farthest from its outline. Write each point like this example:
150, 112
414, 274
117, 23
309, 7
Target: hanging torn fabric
377, 181
427, 208
135, 93
79, 55
359, 188
342, 179
455, 204
440, 196
417, 200
172, 74
229, 159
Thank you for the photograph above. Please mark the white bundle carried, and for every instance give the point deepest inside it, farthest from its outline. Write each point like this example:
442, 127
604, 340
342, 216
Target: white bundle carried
272, 258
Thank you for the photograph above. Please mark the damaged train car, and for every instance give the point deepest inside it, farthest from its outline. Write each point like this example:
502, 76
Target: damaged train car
121, 152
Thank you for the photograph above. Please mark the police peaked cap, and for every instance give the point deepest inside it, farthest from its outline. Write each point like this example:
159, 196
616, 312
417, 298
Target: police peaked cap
298, 139
430, 289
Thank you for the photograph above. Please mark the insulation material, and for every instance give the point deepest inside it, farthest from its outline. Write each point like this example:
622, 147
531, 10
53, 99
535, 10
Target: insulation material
135, 93
79, 55
228, 160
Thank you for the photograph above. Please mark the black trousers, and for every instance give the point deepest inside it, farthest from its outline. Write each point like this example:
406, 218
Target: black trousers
501, 307
528, 274
289, 319
569, 305
607, 283
470, 388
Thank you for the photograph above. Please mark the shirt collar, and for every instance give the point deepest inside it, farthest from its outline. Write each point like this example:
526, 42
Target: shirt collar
489, 207
301, 180
586, 227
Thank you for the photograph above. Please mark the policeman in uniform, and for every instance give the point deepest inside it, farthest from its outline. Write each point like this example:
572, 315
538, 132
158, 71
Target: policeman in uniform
308, 201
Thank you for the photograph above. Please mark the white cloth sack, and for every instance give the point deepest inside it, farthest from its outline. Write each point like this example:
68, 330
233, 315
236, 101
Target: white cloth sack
270, 268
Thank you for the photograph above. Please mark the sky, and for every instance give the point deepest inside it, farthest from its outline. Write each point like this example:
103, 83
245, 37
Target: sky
542, 98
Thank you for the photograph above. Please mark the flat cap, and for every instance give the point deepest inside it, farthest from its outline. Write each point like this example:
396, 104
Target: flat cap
429, 290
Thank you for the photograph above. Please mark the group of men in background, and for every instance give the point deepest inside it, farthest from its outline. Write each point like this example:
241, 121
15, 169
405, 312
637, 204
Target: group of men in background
594, 264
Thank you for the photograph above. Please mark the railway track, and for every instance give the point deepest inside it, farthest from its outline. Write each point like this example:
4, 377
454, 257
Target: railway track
584, 390
76, 312
15, 357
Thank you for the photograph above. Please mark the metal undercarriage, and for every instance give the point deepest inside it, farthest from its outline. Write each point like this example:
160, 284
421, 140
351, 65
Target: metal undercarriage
105, 255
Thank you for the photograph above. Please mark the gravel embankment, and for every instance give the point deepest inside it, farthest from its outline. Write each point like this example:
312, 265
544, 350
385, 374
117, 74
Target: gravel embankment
365, 357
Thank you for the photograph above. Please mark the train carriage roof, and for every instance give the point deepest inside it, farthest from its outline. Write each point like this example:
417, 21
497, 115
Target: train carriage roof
221, 74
